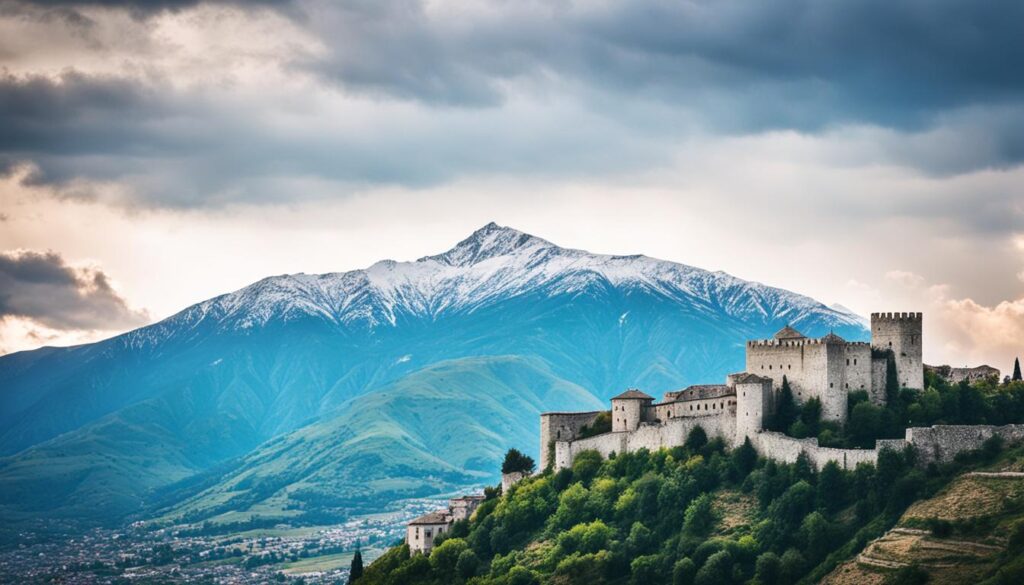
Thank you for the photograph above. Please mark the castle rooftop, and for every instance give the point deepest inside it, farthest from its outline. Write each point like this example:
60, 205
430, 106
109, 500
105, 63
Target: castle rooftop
832, 338
699, 392
788, 332
633, 394
442, 517
748, 378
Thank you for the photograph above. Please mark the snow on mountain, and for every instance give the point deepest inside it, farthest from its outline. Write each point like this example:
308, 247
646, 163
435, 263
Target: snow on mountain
494, 263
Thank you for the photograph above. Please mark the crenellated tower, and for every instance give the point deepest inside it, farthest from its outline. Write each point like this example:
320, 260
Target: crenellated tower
901, 333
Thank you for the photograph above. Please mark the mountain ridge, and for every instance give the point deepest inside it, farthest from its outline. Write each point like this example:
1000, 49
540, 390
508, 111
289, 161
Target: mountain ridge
240, 369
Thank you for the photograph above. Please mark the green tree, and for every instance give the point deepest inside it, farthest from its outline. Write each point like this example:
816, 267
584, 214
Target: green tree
646, 569
864, 424
744, 458
786, 411
585, 466
684, 572
831, 488
700, 517
696, 440
716, 570
522, 576
516, 461
467, 564
816, 534
444, 559
791, 566
810, 415
356, 569
1016, 370
767, 568
892, 381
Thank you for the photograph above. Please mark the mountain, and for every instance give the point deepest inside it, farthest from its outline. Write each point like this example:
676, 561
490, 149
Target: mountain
93, 430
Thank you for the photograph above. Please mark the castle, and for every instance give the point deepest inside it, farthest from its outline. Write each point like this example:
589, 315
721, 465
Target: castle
826, 368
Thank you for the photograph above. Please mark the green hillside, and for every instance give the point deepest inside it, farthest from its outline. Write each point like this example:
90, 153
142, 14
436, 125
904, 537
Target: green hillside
698, 514
440, 427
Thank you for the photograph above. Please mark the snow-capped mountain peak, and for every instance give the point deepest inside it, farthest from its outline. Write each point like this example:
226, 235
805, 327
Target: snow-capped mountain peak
490, 241
493, 264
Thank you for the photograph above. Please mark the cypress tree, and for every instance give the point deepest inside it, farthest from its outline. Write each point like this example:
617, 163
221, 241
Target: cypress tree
356, 570
787, 411
892, 381
1016, 370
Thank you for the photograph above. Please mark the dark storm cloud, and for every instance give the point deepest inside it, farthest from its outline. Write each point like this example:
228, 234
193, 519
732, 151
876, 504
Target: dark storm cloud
41, 287
749, 65
609, 87
142, 7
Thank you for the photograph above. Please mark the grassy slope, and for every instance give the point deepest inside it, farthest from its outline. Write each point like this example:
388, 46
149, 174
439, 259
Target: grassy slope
445, 425
982, 512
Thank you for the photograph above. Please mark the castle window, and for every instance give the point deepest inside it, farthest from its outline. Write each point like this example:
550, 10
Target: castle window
847, 384
830, 385
855, 361
769, 367
789, 367
847, 361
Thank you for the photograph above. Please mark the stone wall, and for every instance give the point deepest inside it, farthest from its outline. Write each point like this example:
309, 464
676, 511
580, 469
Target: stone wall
780, 447
561, 426
941, 443
648, 436
669, 410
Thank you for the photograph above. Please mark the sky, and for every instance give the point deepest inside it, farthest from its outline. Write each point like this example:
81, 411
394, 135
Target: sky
866, 153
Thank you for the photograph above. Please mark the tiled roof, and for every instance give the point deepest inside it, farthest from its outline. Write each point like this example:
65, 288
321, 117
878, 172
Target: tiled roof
788, 332
748, 378
699, 392
633, 394
833, 338
441, 517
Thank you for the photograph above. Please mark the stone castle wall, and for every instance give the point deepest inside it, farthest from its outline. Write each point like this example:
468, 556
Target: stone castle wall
690, 408
940, 443
561, 426
648, 436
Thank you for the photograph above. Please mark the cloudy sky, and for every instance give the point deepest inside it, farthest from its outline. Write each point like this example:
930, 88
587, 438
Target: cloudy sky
868, 153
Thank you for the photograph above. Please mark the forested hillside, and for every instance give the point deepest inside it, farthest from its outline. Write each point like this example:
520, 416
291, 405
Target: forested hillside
701, 514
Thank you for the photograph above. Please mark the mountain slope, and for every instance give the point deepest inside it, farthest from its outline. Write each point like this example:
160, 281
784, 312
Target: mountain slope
444, 426
218, 379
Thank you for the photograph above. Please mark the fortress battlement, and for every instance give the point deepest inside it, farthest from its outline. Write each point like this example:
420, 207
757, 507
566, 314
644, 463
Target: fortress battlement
826, 368
896, 316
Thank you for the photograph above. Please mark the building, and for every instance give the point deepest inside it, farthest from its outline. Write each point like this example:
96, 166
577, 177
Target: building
827, 368
957, 375
421, 532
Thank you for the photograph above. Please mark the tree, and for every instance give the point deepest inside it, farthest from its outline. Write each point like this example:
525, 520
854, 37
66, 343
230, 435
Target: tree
716, 570
445, 558
767, 568
684, 572
467, 564
831, 489
892, 381
1016, 370
700, 517
744, 458
786, 411
516, 461
696, 440
810, 415
356, 570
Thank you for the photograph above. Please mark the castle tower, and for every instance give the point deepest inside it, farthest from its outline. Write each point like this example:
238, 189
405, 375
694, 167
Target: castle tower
628, 410
753, 404
901, 333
